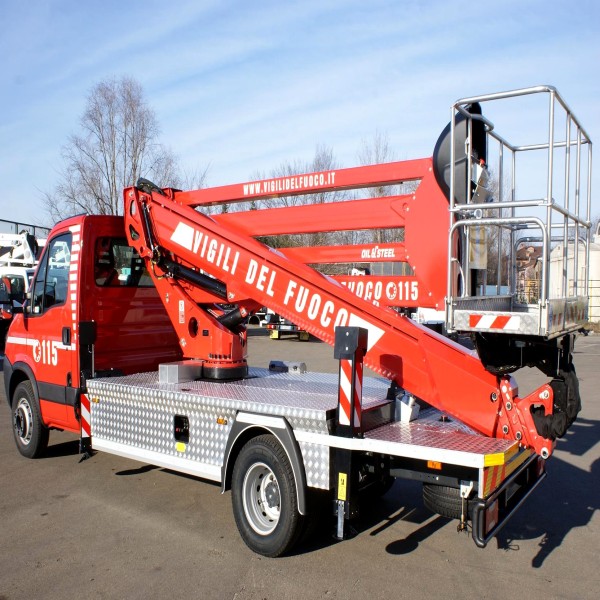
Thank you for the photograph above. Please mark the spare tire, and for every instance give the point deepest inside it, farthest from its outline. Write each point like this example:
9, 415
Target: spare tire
442, 151
445, 501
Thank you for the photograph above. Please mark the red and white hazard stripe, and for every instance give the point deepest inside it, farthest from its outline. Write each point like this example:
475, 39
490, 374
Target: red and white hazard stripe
500, 322
346, 392
86, 430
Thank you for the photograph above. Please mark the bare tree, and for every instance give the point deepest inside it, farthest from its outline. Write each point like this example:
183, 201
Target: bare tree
118, 143
323, 160
374, 151
193, 179
498, 239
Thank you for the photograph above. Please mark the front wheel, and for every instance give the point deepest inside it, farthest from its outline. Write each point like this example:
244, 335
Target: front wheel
30, 434
264, 498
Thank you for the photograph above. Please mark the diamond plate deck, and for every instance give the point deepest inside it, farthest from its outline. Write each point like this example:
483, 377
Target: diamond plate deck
134, 416
311, 395
428, 431
484, 303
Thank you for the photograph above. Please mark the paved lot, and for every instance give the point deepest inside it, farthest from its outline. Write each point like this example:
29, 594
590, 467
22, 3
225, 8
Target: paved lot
114, 528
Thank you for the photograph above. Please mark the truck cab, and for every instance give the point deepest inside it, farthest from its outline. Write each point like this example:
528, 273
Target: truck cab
87, 313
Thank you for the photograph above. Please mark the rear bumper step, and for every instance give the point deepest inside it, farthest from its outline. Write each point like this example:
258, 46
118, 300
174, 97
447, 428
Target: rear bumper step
491, 515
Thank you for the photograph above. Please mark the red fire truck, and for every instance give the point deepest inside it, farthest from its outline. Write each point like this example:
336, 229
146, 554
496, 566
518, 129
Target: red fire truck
135, 339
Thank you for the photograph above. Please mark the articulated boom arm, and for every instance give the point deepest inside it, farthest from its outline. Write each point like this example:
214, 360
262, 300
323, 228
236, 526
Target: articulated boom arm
416, 223
181, 246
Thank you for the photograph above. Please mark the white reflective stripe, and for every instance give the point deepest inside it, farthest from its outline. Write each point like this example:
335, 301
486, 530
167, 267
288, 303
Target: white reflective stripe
71, 347
275, 422
182, 464
455, 457
22, 341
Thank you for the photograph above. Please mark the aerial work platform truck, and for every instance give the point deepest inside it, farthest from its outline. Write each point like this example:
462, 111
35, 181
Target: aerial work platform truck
137, 341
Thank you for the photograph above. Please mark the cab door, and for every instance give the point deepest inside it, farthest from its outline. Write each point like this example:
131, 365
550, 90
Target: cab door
49, 325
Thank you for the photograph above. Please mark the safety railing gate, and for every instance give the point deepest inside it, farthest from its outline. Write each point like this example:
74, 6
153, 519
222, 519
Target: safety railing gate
518, 245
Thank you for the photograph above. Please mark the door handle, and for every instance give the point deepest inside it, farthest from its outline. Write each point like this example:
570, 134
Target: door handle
66, 336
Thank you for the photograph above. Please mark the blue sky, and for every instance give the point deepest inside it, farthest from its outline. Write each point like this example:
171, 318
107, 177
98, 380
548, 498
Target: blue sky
246, 85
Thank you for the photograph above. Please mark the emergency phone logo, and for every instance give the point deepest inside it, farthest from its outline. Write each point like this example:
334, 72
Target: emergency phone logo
45, 351
37, 351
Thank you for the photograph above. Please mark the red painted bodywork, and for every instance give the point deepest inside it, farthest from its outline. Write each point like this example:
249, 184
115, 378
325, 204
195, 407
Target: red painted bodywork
426, 364
134, 332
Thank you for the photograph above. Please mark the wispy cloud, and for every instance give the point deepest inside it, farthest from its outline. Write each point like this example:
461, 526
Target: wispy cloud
246, 85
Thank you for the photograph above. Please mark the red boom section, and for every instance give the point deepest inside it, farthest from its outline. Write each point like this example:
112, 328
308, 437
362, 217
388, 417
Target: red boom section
325, 181
422, 216
426, 364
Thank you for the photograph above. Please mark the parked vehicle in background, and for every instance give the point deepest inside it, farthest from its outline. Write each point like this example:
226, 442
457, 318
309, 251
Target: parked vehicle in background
18, 257
279, 326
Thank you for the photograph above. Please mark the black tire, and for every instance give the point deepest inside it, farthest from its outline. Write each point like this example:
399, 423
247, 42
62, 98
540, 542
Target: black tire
264, 499
445, 501
30, 434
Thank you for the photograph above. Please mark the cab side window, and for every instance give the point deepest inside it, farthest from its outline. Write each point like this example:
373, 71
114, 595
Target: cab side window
51, 284
116, 264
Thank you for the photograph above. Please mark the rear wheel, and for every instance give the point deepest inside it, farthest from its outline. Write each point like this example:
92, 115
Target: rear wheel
30, 434
265, 503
